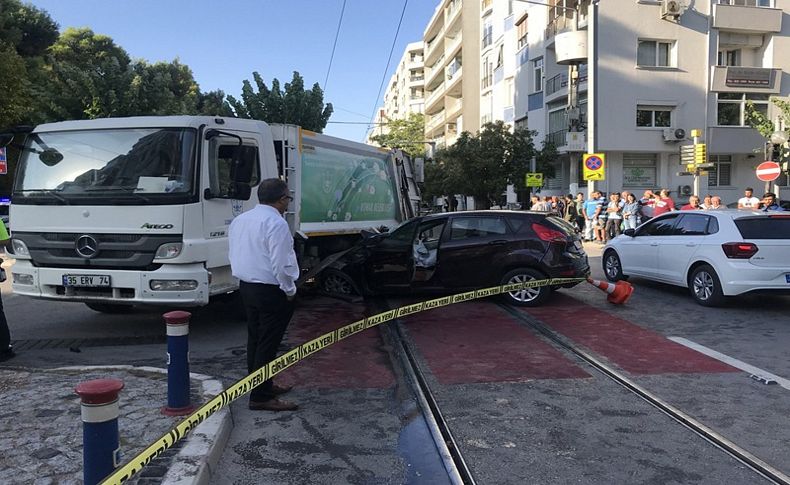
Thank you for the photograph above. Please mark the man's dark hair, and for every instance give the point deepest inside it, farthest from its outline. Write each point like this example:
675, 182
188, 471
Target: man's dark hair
748, 189
272, 190
769, 194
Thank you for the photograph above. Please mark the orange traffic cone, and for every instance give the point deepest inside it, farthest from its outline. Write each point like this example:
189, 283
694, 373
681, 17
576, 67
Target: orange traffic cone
618, 293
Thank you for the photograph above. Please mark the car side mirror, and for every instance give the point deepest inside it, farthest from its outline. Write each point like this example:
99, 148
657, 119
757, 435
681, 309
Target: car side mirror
630, 232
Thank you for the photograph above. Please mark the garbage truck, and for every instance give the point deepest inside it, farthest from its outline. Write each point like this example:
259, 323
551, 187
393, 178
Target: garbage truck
121, 212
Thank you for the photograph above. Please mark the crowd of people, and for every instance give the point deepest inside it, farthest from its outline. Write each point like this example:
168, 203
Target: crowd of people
601, 218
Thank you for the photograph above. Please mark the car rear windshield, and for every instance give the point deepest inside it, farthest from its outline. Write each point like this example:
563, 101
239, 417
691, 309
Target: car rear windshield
771, 227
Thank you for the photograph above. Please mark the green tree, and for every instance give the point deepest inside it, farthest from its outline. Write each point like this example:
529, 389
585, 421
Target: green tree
295, 104
162, 88
213, 103
90, 76
408, 135
765, 126
482, 165
28, 29
15, 93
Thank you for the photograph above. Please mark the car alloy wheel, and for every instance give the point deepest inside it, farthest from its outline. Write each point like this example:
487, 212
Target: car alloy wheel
526, 296
612, 266
705, 287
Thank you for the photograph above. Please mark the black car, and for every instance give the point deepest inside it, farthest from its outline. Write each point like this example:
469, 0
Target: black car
459, 251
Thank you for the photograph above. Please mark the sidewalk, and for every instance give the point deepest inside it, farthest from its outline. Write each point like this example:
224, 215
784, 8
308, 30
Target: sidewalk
41, 430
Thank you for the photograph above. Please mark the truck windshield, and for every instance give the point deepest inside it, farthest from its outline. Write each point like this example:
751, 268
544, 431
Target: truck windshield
126, 166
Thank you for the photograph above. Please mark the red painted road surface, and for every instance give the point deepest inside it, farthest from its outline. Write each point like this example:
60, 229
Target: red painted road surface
358, 362
631, 347
479, 342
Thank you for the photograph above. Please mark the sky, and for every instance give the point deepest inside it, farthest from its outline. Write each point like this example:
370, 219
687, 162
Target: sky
224, 42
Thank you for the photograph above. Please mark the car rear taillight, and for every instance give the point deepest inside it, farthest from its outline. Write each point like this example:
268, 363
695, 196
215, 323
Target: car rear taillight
739, 250
548, 234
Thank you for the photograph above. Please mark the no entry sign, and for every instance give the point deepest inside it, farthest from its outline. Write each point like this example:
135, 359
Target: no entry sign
768, 171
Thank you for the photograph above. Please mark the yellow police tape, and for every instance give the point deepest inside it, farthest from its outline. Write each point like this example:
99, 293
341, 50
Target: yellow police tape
301, 352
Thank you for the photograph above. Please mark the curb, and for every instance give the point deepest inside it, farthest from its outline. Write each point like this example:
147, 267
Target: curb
202, 448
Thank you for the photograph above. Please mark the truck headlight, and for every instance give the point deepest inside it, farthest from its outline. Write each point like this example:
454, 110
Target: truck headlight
173, 285
169, 250
20, 248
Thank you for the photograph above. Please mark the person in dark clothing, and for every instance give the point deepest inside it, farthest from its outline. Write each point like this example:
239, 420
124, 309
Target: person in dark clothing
6, 351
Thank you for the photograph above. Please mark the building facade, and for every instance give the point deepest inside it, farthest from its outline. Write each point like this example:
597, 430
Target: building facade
655, 70
405, 92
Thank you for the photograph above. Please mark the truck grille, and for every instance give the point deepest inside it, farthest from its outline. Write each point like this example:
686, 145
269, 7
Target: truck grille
112, 251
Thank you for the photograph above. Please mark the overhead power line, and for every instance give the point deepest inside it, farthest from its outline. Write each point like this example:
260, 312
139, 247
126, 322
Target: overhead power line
389, 59
334, 45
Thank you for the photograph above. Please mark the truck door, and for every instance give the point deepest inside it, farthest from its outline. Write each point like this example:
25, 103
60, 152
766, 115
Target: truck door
220, 204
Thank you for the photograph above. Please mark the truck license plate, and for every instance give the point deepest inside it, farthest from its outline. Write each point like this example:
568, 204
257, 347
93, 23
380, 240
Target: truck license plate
89, 281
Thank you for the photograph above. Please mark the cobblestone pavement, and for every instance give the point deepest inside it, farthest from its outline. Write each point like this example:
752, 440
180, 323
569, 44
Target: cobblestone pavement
41, 430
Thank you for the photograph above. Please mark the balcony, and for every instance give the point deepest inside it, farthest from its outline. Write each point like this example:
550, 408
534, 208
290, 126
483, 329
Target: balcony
453, 11
418, 80
562, 19
433, 48
433, 99
746, 18
554, 84
434, 72
453, 44
434, 122
454, 106
741, 79
485, 6
557, 138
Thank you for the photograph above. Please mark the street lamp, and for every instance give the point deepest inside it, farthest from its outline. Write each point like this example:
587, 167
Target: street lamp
779, 137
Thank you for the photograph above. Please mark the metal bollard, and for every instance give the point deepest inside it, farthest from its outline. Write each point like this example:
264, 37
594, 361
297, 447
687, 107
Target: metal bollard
177, 364
101, 452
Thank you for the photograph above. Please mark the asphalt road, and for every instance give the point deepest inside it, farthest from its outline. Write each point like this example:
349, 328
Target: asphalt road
551, 428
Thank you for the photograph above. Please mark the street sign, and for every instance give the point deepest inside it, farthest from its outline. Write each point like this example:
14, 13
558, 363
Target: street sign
534, 179
594, 165
700, 153
3, 162
768, 171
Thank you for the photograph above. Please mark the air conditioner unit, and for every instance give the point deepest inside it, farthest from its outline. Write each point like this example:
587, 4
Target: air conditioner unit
674, 134
685, 190
671, 8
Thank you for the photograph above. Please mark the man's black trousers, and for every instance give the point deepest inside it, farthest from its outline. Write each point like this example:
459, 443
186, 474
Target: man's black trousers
268, 313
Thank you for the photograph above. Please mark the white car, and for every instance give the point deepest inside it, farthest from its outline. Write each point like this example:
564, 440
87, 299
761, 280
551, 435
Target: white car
712, 253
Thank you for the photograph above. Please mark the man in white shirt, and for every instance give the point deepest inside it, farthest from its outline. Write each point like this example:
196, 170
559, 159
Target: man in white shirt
262, 257
748, 201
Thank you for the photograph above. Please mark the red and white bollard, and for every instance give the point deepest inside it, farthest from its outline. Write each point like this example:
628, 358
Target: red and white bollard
101, 452
178, 403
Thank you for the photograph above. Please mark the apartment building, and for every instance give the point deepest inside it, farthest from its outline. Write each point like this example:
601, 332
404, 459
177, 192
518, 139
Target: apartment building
655, 70
405, 93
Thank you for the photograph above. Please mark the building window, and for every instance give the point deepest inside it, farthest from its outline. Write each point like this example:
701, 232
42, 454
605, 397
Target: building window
731, 107
537, 75
522, 123
747, 3
729, 58
719, 173
488, 73
521, 31
655, 53
639, 170
488, 33
653, 116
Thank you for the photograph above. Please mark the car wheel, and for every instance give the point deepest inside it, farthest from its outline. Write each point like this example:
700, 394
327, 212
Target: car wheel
705, 286
336, 282
109, 308
526, 296
612, 267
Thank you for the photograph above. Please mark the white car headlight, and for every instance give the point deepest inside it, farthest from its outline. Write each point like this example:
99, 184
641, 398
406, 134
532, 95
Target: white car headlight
20, 248
169, 250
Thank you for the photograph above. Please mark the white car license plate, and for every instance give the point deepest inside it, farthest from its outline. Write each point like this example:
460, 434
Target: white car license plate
84, 280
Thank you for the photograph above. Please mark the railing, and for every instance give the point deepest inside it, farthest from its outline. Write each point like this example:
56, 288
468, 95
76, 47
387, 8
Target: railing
453, 8
746, 3
555, 83
435, 94
561, 18
416, 78
434, 121
557, 138
453, 68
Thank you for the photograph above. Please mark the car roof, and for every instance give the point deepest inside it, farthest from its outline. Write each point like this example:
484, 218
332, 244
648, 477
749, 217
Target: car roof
484, 213
731, 213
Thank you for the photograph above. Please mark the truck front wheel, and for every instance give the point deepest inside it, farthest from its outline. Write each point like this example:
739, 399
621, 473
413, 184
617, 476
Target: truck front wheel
109, 307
